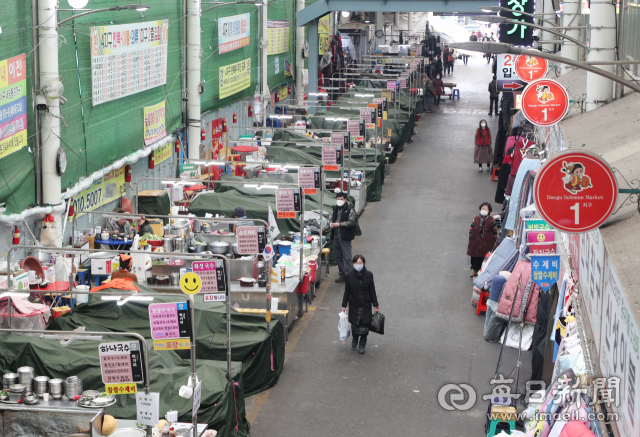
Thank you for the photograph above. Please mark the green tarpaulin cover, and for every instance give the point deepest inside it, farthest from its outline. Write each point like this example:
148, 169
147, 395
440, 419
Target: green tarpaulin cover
155, 205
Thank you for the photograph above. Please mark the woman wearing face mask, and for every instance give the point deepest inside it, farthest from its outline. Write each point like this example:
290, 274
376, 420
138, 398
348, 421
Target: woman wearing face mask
483, 154
482, 237
360, 295
438, 89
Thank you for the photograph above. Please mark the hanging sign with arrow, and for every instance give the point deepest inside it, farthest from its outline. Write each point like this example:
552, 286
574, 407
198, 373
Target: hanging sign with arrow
506, 75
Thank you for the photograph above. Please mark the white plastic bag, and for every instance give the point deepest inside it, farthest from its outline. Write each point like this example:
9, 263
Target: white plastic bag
344, 326
513, 337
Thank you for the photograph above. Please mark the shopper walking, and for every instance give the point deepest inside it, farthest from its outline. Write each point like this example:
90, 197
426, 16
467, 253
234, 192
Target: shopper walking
360, 295
428, 92
482, 237
446, 59
343, 231
483, 154
465, 58
494, 96
438, 90
473, 37
437, 67
452, 59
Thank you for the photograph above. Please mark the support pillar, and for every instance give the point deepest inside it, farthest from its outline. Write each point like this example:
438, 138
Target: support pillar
546, 36
379, 26
300, 4
193, 77
602, 48
264, 65
570, 18
313, 63
409, 26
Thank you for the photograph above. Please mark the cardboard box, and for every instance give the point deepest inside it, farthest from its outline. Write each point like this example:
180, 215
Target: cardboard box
20, 280
101, 266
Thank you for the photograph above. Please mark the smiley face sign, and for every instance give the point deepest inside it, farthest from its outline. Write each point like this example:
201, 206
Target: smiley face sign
190, 283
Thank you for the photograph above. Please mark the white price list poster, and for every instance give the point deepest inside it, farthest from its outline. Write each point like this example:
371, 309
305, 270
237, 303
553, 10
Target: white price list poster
127, 59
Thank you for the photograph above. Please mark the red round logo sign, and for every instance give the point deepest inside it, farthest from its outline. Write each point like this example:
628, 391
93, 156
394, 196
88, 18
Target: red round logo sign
530, 68
575, 191
544, 102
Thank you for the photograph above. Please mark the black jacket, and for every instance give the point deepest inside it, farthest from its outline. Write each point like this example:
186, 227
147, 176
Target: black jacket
360, 292
347, 233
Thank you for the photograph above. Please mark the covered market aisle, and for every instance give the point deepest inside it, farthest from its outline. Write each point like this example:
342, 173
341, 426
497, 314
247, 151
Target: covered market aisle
414, 241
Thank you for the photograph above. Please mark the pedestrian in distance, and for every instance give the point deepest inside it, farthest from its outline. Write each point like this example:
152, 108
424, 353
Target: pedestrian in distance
360, 295
483, 153
473, 37
437, 66
482, 237
438, 90
465, 58
452, 59
343, 231
429, 90
494, 96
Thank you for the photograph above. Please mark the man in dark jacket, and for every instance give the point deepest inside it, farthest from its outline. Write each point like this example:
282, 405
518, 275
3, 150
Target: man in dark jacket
473, 37
494, 95
343, 231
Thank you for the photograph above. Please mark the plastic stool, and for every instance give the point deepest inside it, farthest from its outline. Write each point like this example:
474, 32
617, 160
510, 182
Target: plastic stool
84, 274
325, 252
494, 173
455, 93
482, 302
501, 414
100, 278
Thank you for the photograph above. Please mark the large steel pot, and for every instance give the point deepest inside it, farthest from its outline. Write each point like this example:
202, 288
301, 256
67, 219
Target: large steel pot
219, 247
168, 244
234, 248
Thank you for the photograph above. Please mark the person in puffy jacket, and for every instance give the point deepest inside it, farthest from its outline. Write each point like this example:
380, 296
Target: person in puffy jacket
482, 237
360, 295
483, 153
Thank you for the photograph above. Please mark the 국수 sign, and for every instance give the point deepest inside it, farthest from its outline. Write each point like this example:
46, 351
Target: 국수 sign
544, 102
278, 36
537, 225
530, 68
288, 202
309, 178
545, 270
331, 157
541, 242
233, 32
516, 34
120, 362
211, 274
575, 191
154, 124
13, 105
109, 187
169, 321
234, 78
251, 240
127, 59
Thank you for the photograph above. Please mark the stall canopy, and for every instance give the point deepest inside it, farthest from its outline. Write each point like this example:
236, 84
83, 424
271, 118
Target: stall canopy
261, 353
222, 401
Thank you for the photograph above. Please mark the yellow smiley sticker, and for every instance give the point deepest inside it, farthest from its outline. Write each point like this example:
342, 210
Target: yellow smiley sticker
191, 283
541, 237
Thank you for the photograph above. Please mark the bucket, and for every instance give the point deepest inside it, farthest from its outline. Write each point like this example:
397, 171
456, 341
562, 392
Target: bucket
313, 267
417, 117
81, 298
303, 288
284, 249
274, 304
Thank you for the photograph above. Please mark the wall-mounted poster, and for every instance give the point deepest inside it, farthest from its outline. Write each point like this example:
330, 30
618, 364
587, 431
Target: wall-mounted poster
127, 59
233, 32
278, 31
234, 78
13, 105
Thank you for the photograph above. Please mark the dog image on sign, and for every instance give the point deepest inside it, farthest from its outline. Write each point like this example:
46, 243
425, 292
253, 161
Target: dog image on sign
575, 179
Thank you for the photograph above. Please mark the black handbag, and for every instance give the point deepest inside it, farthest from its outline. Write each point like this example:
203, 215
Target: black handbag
377, 323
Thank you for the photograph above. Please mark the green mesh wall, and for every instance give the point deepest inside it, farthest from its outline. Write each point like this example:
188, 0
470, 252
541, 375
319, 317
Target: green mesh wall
17, 178
96, 136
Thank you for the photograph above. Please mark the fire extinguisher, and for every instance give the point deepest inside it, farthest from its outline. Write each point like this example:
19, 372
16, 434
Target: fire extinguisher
235, 118
178, 143
127, 173
289, 89
16, 235
250, 111
72, 210
277, 97
152, 164
224, 125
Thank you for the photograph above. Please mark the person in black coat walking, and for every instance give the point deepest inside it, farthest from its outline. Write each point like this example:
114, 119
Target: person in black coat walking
360, 294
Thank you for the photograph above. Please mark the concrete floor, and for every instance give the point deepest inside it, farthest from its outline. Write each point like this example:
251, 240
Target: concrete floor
415, 243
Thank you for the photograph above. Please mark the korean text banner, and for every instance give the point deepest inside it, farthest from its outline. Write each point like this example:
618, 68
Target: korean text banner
278, 35
233, 32
324, 32
13, 105
235, 78
127, 59
155, 127
109, 187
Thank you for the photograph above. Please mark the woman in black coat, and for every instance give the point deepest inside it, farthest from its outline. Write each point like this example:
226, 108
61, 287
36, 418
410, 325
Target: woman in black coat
360, 295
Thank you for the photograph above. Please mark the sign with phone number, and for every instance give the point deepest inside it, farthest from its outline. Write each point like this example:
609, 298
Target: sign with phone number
109, 187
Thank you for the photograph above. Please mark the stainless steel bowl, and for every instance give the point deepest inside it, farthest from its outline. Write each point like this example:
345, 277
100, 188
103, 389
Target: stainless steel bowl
219, 247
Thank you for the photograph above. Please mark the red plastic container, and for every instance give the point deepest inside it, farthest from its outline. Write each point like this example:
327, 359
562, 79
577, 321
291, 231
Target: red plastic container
313, 266
304, 287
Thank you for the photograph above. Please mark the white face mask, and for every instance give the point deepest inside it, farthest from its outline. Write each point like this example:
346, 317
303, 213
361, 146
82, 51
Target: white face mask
437, 77
484, 212
358, 267
339, 202
483, 124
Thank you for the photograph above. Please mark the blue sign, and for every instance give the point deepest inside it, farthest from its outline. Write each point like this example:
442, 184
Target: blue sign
545, 270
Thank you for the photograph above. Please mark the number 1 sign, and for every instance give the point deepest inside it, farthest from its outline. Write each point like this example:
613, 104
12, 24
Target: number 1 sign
544, 102
575, 191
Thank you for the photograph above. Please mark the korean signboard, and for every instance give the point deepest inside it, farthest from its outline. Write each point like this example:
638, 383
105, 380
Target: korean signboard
278, 35
324, 34
234, 78
516, 34
309, 178
506, 76
120, 363
251, 239
233, 32
170, 325
331, 157
127, 59
288, 202
109, 187
545, 270
541, 242
154, 124
13, 105
163, 153
211, 274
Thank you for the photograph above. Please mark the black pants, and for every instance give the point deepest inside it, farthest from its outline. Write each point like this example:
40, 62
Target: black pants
448, 68
476, 262
465, 59
436, 99
493, 101
359, 337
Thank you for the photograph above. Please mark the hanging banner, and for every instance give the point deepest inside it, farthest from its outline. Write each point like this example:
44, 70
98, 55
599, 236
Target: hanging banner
163, 153
127, 59
108, 188
324, 34
274, 231
233, 32
539, 237
288, 68
234, 78
284, 92
217, 145
278, 36
276, 65
545, 270
13, 105
155, 127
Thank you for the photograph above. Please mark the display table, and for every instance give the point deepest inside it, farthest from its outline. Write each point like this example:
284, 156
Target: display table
56, 287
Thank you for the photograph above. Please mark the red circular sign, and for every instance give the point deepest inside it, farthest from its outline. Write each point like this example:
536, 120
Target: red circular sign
544, 102
530, 68
575, 191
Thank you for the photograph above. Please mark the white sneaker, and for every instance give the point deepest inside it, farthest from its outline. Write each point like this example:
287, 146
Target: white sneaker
480, 169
